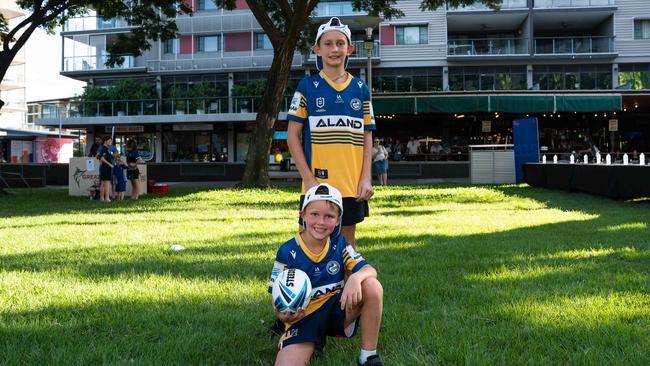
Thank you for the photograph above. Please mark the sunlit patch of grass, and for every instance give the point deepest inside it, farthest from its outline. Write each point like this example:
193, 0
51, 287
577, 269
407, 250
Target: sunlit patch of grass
626, 226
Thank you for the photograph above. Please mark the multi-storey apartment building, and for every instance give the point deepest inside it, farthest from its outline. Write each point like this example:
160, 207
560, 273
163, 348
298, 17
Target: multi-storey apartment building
12, 87
574, 64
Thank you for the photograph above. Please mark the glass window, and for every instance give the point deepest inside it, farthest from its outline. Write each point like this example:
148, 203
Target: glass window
262, 42
206, 5
172, 46
487, 82
208, 43
412, 35
642, 29
404, 83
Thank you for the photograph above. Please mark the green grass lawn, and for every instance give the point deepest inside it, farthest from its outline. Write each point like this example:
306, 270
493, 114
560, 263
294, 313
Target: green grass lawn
506, 275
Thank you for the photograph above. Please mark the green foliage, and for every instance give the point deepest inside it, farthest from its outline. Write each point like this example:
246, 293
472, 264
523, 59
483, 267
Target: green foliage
472, 275
249, 89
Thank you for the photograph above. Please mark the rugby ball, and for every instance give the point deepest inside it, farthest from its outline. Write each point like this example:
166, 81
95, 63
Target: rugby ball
291, 290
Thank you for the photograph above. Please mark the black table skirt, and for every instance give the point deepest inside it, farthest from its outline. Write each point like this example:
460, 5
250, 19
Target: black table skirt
615, 181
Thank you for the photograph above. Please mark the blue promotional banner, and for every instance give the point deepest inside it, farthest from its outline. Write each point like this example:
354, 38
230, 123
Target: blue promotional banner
525, 136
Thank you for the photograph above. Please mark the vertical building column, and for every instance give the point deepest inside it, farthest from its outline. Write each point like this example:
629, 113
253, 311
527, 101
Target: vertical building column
231, 82
362, 75
231, 142
529, 77
159, 150
615, 76
445, 78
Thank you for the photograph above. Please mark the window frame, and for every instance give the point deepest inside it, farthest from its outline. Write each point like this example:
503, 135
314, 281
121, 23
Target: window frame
199, 43
422, 30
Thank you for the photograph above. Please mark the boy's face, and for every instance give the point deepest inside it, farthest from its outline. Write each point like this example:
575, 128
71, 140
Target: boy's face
333, 46
321, 218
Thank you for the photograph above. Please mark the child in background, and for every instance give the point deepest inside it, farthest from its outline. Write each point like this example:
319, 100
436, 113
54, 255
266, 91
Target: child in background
119, 172
94, 190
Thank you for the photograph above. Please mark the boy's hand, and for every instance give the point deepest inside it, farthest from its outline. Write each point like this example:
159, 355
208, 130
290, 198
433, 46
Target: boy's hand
289, 317
365, 191
352, 294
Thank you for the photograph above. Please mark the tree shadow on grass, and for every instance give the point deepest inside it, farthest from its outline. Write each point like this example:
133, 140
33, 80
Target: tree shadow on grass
240, 257
39, 202
176, 330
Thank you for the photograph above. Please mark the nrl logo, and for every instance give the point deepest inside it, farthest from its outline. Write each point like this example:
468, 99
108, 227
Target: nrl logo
320, 102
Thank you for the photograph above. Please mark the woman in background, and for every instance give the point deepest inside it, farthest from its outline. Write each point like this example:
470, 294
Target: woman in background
132, 172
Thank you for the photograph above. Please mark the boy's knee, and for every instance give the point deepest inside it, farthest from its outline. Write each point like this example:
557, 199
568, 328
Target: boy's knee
372, 289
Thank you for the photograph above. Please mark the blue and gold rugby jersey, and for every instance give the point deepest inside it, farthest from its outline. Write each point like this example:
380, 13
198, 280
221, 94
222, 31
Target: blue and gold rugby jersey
334, 118
326, 270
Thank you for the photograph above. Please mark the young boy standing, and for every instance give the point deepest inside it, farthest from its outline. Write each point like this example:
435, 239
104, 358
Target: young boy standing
337, 304
333, 111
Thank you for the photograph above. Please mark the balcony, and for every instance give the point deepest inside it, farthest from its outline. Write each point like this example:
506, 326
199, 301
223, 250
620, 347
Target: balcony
90, 23
542, 4
506, 4
169, 106
338, 8
95, 63
488, 47
257, 61
574, 45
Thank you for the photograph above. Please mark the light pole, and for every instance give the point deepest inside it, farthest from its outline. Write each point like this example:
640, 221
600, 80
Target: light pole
369, 45
369, 22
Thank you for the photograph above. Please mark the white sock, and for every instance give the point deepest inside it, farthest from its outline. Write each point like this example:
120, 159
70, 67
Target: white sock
363, 357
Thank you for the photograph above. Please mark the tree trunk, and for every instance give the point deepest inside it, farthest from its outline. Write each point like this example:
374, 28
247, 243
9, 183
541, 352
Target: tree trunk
256, 174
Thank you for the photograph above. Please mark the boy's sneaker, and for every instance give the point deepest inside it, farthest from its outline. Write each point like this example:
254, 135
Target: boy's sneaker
373, 360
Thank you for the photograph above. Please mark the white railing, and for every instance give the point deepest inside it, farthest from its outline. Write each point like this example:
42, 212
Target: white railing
95, 62
93, 23
326, 9
572, 3
487, 47
506, 4
573, 45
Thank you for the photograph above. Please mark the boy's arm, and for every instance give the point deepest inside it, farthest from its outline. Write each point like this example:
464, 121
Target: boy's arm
352, 294
296, 149
364, 192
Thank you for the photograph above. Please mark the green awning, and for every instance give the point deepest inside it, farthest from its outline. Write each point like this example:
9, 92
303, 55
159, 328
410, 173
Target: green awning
497, 103
521, 103
452, 104
393, 105
588, 103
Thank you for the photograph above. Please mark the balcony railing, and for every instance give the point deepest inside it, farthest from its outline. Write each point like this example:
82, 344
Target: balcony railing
506, 4
573, 45
93, 23
90, 63
572, 3
487, 47
169, 106
359, 51
336, 8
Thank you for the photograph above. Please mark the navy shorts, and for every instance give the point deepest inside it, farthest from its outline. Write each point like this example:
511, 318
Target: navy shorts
328, 320
353, 212
105, 173
120, 187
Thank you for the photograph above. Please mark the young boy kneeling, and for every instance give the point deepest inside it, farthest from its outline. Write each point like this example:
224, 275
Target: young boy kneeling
337, 306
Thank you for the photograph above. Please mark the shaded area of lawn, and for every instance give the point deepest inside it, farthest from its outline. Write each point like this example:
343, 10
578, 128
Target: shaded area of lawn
519, 276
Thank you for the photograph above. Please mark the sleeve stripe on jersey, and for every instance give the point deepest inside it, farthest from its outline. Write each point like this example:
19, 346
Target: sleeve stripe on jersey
336, 143
335, 132
337, 138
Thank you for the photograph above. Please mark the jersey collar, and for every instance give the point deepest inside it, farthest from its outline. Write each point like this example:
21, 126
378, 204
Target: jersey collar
315, 257
337, 87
